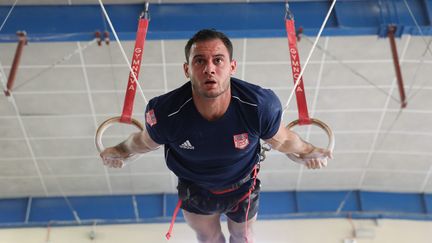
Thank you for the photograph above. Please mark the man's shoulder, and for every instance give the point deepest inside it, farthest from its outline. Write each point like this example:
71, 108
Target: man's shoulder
172, 98
164, 106
251, 93
244, 84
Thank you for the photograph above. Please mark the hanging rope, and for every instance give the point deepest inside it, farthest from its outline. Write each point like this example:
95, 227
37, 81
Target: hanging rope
304, 117
296, 69
310, 52
126, 116
135, 79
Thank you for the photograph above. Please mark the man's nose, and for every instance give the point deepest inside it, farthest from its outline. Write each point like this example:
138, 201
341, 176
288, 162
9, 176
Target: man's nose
209, 68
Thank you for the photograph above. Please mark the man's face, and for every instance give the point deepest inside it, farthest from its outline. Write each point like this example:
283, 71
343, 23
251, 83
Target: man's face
209, 68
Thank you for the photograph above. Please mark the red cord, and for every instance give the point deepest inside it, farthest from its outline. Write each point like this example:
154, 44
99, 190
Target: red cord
246, 222
168, 234
248, 195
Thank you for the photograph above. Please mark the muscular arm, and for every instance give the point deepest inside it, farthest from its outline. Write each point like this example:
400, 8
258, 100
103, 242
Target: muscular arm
288, 142
139, 142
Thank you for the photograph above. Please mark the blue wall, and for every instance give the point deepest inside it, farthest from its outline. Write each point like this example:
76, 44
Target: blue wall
30, 212
238, 20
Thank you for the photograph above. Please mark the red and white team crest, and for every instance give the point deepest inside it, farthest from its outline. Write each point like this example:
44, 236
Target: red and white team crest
241, 141
151, 118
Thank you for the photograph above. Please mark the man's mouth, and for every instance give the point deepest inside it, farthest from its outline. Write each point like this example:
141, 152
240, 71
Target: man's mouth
209, 82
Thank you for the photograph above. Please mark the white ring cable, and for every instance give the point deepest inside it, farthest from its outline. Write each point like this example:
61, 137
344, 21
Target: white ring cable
122, 50
7, 16
136, 157
330, 146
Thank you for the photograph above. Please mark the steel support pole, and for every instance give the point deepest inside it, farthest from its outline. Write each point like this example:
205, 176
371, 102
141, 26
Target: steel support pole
22, 40
391, 35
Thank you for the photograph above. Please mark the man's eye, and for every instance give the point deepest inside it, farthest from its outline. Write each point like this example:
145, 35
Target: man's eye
218, 60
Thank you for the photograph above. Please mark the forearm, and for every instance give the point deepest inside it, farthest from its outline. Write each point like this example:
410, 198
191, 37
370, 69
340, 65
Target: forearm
287, 141
295, 145
139, 142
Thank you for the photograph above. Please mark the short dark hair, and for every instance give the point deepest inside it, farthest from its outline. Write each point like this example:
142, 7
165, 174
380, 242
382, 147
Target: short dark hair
205, 35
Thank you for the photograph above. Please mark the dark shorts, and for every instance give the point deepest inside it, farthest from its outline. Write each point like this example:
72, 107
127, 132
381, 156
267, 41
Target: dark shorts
200, 201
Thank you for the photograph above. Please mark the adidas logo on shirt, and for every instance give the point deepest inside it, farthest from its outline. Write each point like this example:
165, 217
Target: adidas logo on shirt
186, 145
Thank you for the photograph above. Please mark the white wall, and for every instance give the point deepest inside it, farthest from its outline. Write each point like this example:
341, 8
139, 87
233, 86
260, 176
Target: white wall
274, 231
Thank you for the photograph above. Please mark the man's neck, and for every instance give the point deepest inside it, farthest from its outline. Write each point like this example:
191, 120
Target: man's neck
212, 109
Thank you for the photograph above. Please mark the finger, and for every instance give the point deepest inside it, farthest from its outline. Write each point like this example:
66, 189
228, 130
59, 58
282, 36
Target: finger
107, 162
112, 163
120, 163
318, 164
329, 154
324, 162
310, 164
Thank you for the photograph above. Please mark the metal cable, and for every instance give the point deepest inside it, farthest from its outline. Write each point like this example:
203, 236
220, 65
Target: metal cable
7, 15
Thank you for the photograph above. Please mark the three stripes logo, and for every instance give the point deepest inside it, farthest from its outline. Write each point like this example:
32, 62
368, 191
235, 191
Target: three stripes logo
186, 145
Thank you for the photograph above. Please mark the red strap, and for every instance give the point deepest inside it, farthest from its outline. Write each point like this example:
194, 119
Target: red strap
296, 70
248, 194
247, 215
224, 191
168, 234
126, 116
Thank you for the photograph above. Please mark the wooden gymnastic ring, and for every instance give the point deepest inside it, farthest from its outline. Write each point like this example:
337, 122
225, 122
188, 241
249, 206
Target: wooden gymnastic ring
318, 123
101, 129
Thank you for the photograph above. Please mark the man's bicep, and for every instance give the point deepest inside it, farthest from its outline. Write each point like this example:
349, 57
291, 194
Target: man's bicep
277, 139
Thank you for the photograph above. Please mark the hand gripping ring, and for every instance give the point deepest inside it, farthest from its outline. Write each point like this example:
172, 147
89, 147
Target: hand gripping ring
101, 129
317, 123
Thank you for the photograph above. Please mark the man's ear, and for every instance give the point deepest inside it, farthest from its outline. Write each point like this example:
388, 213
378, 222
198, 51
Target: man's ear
186, 69
233, 66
